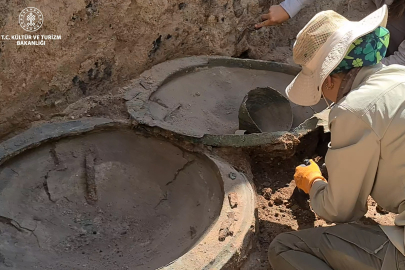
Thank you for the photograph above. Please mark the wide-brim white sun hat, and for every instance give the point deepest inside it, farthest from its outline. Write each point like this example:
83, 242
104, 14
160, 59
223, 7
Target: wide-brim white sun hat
320, 47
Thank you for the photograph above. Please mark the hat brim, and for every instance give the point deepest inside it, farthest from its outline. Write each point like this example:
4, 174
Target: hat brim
299, 91
306, 88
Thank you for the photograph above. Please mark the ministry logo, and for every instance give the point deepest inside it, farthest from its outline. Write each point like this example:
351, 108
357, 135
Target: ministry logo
31, 19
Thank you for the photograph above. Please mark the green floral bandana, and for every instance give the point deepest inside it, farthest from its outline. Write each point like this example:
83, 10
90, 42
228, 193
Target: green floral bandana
366, 51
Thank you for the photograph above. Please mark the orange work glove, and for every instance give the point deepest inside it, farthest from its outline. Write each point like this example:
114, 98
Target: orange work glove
306, 175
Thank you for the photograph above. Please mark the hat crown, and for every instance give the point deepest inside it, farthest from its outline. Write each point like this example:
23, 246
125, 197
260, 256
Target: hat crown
311, 38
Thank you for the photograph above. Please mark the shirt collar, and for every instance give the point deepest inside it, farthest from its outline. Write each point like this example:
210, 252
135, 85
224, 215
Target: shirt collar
365, 73
347, 83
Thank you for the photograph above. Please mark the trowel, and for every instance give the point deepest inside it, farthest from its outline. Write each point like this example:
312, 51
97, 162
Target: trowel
265, 110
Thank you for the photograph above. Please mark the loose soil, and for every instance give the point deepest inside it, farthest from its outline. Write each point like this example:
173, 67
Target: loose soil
111, 200
279, 210
207, 101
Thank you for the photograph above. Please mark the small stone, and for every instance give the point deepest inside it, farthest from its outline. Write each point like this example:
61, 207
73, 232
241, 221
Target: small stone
182, 6
226, 228
267, 193
58, 102
278, 201
198, 94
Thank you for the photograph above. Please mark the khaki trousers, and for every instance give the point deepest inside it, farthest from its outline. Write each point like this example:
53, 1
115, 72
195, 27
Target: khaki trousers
345, 246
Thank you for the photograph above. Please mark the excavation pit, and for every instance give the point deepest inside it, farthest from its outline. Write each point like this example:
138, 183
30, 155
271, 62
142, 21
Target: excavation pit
114, 199
200, 97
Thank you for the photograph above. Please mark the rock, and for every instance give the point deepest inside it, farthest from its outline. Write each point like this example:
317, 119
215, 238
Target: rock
267, 193
182, 6
226, 228
278, 201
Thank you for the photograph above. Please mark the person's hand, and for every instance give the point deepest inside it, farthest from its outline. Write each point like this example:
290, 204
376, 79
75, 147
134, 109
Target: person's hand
276, 15
306, 175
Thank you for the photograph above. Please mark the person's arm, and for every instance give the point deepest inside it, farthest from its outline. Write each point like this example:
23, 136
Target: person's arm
292, 7
397, 58
352, 162
280, 13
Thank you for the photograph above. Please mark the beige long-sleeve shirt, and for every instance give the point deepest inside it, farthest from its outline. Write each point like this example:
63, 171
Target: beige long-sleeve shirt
367, 151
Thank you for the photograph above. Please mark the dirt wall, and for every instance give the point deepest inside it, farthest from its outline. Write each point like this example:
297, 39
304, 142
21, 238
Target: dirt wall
108, 42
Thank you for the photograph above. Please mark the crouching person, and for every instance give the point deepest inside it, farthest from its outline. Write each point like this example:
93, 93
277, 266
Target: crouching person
340, 61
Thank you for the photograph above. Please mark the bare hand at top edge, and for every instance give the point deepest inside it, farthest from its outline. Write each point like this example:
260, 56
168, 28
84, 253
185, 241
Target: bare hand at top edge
276, 15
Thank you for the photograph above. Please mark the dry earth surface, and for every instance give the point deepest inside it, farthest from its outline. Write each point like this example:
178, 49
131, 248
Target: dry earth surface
106, 43
280, 211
